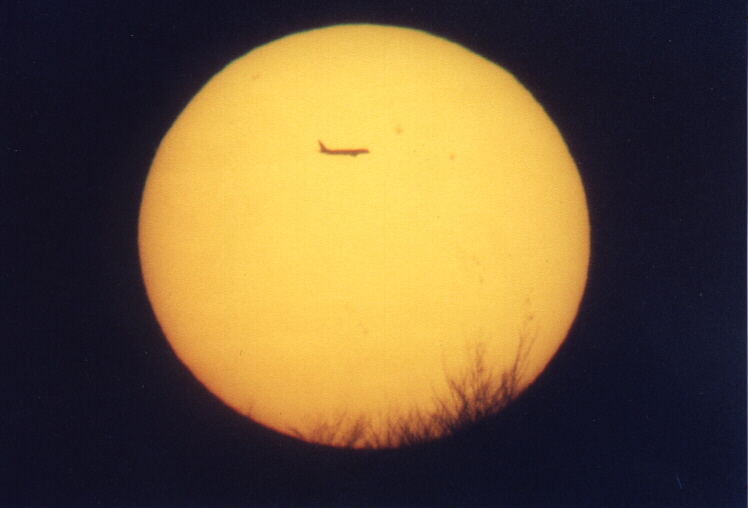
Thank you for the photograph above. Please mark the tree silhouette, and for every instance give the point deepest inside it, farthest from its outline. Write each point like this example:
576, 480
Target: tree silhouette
475, 393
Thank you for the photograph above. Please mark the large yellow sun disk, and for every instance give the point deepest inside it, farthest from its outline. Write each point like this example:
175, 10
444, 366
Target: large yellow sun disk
310, 290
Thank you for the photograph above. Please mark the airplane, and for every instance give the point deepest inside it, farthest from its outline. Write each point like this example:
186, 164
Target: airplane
353, 152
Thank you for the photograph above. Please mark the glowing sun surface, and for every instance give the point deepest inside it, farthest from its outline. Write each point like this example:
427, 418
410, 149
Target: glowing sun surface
372, 299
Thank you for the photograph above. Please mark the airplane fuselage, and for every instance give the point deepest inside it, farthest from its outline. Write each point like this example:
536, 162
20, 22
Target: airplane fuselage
347, 151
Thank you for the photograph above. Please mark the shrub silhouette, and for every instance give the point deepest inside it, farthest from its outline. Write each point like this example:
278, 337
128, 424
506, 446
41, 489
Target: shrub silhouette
479, 391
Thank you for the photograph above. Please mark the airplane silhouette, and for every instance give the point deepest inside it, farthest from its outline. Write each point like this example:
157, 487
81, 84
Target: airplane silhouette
353, 152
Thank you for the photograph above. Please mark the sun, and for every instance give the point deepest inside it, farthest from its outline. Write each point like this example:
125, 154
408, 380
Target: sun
364, 236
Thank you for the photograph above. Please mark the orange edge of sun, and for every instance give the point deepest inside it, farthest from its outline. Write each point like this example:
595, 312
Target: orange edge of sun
369, 299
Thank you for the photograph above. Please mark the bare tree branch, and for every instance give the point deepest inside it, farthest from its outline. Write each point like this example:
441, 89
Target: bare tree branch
474, 394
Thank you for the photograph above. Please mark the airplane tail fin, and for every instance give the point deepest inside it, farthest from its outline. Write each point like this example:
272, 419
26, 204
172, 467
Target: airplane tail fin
322, 148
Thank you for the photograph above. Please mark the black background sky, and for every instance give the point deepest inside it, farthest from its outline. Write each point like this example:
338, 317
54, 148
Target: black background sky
645, 403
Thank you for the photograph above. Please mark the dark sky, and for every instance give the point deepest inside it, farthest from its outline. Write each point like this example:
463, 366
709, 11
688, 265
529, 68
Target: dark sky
645, 403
